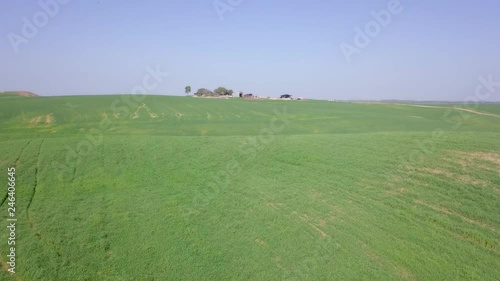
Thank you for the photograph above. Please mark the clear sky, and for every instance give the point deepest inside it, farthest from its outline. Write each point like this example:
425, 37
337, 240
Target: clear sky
429, 50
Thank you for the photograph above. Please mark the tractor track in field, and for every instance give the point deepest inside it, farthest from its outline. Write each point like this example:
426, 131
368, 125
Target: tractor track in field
4, 198
31, 221
16, 163
455, 108
37, 166
104, 219
76, 164
104, 215
22, 151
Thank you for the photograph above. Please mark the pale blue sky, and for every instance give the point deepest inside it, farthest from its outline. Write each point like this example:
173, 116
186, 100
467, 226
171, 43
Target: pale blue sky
431, 50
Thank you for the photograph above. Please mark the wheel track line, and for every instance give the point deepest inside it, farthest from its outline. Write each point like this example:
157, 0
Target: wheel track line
36, 178
76, 164
108, 252
453, 108
17, 161
22, 151
4, 198
105, 211
457, 214
33, 226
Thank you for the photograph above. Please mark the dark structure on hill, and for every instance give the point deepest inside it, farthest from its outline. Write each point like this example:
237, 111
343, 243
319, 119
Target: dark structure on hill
286, 97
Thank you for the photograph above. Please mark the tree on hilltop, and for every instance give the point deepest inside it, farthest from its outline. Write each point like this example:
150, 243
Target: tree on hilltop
187, 89
204, 93
221, 91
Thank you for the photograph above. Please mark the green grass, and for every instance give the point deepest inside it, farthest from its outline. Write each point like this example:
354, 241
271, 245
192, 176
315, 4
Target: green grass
190, 189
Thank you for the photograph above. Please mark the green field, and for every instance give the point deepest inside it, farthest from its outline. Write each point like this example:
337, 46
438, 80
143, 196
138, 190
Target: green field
182, 188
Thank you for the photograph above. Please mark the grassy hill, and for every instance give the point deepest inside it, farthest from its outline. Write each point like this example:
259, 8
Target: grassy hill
181, 188
17, 94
